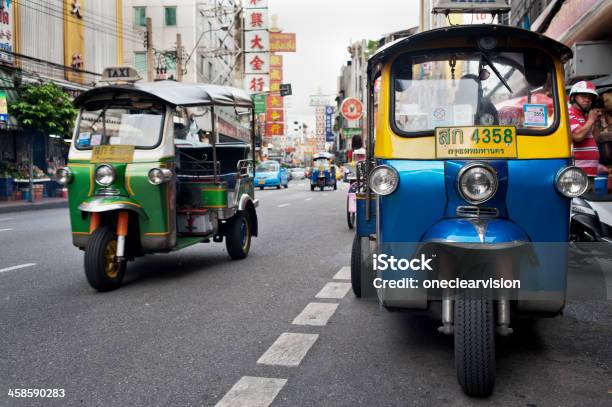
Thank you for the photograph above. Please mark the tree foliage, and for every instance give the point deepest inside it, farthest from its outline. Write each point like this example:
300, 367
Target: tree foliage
44, 108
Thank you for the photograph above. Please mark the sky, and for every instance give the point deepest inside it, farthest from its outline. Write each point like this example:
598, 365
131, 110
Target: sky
325, 28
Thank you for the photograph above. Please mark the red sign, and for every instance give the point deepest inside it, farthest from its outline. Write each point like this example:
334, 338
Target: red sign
282, 42
274, 102
274, 129
276, 61
351, 109
275, 115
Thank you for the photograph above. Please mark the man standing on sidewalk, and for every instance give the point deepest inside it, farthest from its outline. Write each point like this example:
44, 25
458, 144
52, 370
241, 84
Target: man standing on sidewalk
583, 125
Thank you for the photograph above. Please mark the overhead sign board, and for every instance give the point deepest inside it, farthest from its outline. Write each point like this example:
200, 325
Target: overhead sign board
470, 6
282, 42
285, 89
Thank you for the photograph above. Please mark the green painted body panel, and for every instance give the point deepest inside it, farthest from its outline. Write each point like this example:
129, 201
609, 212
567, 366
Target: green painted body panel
132, 182
183, 242
214, 196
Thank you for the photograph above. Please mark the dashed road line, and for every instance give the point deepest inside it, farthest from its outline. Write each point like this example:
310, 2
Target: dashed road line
21, 266
288, 350
316, 314
5, 219
308, 199
283, 205
334, 290
5, 230
252, 392
343, 274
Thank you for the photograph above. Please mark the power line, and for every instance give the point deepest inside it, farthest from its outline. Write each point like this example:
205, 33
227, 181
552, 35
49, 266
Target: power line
61, 11
94, 28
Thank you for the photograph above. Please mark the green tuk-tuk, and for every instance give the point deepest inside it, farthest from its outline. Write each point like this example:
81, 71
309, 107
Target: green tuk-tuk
157, 167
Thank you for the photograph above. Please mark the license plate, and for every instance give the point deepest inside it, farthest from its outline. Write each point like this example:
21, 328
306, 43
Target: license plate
476, 142
262, 181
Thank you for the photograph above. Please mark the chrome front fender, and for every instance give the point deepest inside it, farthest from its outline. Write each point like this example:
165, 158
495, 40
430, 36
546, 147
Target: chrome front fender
106, 204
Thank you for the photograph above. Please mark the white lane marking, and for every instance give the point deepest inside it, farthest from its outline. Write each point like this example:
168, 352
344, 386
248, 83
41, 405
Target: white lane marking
324, 194
288, 350
343, 274
21, 266
334, 290
5, 230
252, 391
308, 199
283, 205
316, 314
5, 219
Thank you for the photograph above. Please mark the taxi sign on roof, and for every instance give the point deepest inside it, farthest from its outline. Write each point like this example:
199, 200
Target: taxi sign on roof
470, 6
120, 74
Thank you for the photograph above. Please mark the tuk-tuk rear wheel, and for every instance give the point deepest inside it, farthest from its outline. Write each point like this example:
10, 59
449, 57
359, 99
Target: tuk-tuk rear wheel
475, 345
238, 236
103, 271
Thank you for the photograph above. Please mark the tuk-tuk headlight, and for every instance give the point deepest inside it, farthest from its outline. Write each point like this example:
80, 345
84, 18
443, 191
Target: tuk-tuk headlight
571, 182
158, 176
384, 180
63, 176
477, 183
105, 175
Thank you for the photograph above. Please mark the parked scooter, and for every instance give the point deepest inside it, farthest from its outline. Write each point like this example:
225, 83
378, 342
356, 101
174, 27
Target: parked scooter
591, 218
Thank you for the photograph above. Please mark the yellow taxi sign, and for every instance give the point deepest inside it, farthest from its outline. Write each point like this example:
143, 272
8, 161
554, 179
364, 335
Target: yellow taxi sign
112, 154
476, 142
120, 74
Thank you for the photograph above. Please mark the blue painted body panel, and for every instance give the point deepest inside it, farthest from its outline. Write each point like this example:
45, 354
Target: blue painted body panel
314, 177
365, 228
461, 230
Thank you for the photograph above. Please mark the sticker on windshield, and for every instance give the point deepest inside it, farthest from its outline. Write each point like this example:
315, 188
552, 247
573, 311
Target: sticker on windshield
84, 139
96, 139
441, 116
535, 115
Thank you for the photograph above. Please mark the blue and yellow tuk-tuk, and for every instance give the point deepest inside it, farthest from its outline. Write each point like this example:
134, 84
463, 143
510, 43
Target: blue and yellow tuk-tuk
468, 184
323, 173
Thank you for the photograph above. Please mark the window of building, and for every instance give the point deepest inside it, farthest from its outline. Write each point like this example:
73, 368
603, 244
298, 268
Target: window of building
170, 16
140, 61
140, 16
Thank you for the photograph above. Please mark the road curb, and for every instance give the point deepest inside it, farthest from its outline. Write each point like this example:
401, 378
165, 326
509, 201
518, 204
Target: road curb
26, 207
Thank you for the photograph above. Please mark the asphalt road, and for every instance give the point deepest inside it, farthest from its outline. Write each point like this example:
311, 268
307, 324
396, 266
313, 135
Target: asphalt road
194, 328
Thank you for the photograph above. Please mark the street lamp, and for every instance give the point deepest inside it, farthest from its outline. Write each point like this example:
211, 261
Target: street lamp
223, 27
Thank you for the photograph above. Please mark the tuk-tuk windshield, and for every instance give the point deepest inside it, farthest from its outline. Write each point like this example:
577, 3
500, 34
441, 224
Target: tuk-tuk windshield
467, 88
139, 125
321, 162
267, 167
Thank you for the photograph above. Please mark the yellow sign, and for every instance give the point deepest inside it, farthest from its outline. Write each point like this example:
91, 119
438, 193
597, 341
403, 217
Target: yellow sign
74, 40
112, 154
476, 142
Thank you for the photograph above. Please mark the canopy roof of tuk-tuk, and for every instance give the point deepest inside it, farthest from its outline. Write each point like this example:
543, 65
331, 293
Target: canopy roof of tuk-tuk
475, 31
327, 156
174, 93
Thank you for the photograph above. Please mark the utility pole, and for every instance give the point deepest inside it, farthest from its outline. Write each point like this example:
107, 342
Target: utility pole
150, 61
179, 58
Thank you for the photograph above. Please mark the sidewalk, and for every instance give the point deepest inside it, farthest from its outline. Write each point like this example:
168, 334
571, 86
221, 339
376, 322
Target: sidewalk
45, 203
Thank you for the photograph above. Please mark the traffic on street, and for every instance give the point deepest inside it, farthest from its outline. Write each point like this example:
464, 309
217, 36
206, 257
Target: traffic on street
193, 215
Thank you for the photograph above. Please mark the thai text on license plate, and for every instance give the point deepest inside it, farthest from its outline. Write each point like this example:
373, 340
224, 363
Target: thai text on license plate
476, 142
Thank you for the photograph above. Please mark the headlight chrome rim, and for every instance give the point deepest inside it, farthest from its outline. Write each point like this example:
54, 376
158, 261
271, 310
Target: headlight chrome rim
63, 176
111, 176
394, 184
158, 176
565, 170
494, 179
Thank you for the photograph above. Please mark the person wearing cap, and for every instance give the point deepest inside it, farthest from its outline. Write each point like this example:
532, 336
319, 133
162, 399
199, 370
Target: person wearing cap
583, 125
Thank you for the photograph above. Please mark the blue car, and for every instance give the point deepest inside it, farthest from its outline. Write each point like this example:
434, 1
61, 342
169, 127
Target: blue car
271, 174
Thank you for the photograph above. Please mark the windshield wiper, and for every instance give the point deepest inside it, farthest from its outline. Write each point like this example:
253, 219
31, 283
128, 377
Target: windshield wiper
103, 111
499, 75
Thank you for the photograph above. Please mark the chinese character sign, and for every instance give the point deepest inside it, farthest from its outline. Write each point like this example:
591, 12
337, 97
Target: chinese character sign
282, 42
256, 41
329, 113
257, 62
275, 115
276, 61
256, 83
275, 129
274, 102
256, 19
248, 4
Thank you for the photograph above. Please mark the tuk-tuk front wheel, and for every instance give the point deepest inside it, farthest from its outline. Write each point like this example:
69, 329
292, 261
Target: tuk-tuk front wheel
102, 269
475, 345
238, 236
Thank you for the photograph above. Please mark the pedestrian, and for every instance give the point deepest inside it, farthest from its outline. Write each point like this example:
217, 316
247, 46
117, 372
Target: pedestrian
584, 128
